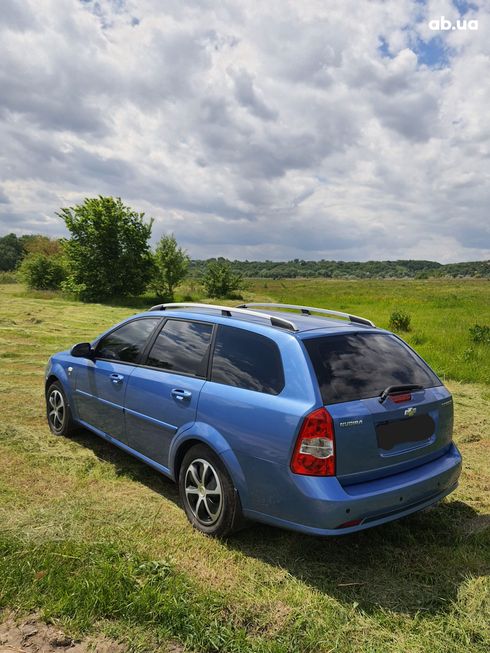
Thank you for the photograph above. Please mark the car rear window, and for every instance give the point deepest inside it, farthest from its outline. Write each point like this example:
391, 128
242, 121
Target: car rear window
247, 360
361, 365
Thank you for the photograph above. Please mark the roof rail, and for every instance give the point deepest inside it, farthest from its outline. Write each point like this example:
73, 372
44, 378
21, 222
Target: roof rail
227, 311
308, 310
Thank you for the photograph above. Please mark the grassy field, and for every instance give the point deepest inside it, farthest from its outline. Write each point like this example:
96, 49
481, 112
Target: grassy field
441, 310
97, 542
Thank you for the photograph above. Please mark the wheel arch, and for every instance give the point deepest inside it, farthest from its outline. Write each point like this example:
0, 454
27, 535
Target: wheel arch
180, 453
203, 434
49, 380
56, 372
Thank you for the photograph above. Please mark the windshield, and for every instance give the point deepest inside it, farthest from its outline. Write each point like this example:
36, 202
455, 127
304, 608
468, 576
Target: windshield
361, 365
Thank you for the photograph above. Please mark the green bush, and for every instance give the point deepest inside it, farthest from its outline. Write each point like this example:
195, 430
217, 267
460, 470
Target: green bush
41, 272
219, 279
480, 333
400, 321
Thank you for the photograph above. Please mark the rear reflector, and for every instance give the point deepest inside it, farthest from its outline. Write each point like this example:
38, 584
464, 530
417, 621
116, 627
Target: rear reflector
349, 524
314, 453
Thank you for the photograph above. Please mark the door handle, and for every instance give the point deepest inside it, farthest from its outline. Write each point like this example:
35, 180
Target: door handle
117, 378
181, 395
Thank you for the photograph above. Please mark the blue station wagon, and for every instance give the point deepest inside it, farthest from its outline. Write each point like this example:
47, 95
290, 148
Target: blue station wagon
299, 417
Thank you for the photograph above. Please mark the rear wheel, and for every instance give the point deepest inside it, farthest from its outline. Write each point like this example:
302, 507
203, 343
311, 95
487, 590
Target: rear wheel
58, 410
210, 500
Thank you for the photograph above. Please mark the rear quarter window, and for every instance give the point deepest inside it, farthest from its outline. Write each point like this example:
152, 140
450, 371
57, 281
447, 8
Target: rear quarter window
361, 365
247, 360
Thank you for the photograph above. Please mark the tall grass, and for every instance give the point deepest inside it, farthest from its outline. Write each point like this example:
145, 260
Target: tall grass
8, 277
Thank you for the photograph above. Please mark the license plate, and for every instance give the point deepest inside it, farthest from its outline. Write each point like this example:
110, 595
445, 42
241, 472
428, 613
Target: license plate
404, 431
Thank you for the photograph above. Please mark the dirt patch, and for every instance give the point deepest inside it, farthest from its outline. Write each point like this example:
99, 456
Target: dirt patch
31, 635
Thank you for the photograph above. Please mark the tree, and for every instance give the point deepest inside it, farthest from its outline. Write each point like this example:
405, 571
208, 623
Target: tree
42, 272
39, 244
171, 264
11, 252
219, 279
108, 254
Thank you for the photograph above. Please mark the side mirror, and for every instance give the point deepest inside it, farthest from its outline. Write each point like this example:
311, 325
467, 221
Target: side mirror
82, 350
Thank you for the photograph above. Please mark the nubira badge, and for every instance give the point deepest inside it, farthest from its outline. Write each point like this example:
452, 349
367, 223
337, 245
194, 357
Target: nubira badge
351, 422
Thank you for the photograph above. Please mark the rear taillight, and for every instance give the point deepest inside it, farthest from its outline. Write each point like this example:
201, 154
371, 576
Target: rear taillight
314, 453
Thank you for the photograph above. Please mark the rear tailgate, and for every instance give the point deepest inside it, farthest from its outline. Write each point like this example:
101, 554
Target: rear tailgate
376, 437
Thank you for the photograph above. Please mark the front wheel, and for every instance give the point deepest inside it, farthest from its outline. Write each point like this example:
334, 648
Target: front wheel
58, 410
210, 500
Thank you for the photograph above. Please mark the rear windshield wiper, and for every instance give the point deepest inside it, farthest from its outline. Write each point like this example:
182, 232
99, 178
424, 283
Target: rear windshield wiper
395, 389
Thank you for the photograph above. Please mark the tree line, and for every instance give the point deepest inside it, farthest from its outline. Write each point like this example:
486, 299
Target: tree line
297, 268
108, 255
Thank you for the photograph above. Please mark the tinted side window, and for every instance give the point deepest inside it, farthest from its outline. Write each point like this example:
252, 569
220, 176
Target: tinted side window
247, 360
362, 365
182, 347
126, 343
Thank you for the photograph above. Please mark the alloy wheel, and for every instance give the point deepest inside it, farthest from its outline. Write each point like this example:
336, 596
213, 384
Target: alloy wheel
203, 491
56, 409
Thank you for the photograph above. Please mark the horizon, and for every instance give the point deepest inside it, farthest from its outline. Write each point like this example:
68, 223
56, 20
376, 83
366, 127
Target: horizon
319, 260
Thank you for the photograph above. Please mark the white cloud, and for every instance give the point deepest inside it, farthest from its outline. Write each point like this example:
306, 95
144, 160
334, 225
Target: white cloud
273, 130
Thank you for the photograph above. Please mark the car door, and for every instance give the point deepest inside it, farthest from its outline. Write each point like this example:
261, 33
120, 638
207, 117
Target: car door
100, 384
162, 395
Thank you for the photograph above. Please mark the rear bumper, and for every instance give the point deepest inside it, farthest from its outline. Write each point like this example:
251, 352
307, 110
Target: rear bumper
319, 506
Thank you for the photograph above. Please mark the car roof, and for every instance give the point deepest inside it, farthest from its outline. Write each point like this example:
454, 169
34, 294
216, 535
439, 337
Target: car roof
310, 322
302, 322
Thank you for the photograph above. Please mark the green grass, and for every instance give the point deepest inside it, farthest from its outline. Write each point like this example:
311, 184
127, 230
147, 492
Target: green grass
97, 542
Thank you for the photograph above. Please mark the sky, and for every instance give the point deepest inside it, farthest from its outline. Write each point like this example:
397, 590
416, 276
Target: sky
254, 130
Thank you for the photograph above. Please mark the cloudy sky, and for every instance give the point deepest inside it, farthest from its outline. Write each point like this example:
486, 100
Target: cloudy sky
279, 129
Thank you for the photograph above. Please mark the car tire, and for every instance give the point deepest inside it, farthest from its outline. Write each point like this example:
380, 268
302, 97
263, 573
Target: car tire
211, 501
58, 411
